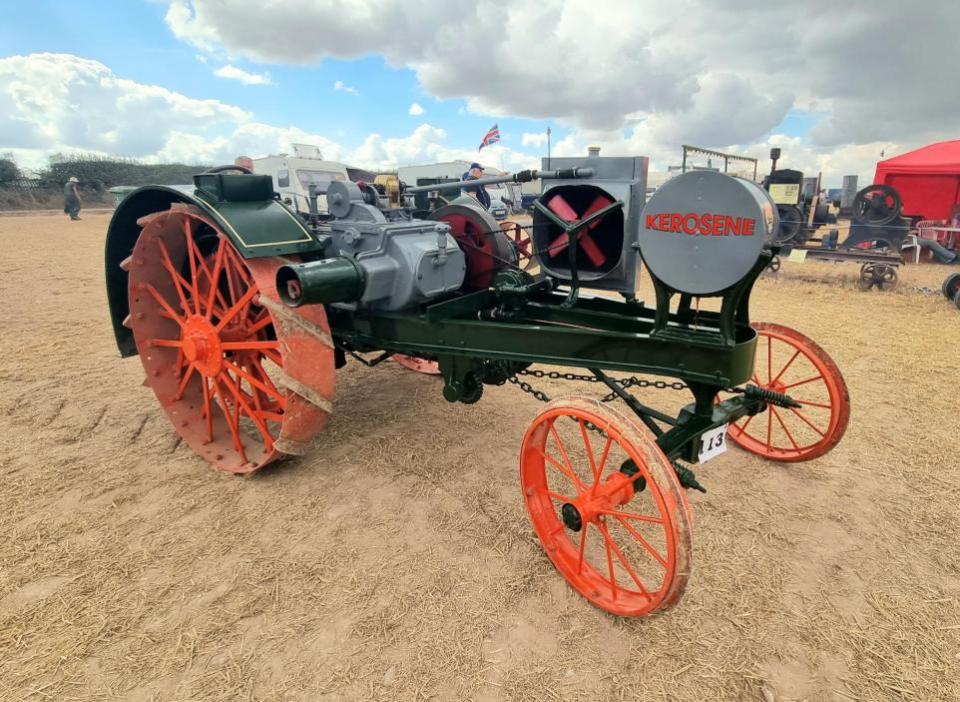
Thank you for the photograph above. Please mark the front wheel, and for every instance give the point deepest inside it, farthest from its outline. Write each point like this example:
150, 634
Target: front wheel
788, 362
606, 506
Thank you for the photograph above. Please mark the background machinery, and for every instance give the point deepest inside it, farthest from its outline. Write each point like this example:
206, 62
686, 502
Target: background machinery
241, 315
877, 229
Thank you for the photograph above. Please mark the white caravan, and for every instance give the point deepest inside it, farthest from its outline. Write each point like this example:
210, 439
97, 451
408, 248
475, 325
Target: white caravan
293, 175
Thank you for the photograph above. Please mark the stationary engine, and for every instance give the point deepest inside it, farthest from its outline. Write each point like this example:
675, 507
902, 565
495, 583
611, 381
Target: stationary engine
374, 262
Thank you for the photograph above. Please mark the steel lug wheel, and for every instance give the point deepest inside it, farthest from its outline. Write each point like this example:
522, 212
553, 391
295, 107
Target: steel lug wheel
242, 382
788, 362
606, 506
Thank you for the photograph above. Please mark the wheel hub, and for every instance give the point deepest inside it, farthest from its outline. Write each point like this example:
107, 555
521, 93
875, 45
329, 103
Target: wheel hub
617, 490
201, 345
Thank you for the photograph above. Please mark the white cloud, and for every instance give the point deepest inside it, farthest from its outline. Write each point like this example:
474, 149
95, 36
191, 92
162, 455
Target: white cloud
233, 73
201, 58
57, 102
427, 144
62, 103
536, 139
657, 73
415, 110
344, 88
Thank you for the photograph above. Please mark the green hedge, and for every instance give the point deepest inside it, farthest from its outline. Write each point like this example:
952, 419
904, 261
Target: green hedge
100, 173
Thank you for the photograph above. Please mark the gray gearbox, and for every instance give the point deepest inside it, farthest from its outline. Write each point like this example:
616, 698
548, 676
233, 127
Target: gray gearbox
404, 262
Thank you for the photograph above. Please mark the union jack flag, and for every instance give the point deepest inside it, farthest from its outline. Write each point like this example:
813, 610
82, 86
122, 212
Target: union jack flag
492, 137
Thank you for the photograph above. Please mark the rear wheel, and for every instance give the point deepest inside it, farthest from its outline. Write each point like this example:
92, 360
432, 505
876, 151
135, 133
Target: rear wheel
415, 363
241, 382
788, 362
606, 506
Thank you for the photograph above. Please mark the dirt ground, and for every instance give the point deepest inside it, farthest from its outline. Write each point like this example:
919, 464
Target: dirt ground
396, 561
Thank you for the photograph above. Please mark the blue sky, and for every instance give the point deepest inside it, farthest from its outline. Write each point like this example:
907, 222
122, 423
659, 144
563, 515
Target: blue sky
637, 77
134, 41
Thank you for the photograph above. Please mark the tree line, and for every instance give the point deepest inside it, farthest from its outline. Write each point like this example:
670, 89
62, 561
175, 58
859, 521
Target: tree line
97, 173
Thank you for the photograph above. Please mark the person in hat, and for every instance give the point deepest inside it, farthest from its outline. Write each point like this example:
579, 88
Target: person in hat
71, 198
477, 192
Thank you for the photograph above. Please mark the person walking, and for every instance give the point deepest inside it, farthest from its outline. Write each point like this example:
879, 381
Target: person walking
71, 198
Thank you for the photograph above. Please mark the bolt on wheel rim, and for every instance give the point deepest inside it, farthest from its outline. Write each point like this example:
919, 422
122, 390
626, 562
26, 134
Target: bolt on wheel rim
631, 553
788, 362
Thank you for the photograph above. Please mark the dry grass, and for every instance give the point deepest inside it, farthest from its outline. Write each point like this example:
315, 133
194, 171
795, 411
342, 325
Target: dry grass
396, 561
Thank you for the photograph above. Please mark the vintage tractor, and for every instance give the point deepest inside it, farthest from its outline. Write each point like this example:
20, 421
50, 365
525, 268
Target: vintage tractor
241, 315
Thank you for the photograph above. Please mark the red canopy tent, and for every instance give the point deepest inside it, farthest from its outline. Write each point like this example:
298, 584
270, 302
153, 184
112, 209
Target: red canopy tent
928, 179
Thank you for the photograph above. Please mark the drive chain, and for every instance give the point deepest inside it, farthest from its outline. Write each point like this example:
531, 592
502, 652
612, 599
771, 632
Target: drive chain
631, 382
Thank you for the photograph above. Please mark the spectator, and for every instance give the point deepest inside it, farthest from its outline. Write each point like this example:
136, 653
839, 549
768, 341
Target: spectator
941, 253
71, 198
477, 192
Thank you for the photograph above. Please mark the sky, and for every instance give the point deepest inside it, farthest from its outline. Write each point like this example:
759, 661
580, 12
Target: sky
393, 83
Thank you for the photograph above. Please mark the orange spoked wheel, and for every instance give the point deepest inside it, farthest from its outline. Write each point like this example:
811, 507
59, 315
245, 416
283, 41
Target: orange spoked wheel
788, 362
415, 363
242, 379
607, 507
521, 242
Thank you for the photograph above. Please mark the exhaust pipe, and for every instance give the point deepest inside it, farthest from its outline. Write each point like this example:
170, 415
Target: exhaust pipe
338, 279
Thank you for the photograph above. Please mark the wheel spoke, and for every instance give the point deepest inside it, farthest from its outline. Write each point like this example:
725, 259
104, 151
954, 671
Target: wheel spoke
643, 542
178, 281
606, 545
249, 345
237, 306
743, 429
257, 370
188, 232
266, 321
784, 427
558, 497
807, 403
254, 382
769, 429
631, 515
784, 369
274, 356
623, 560
803, 382
183, 382
769, 359
214, 279
590, 459
603, 459
578, 486
242, 404
164, 304
234, 428
566, 458
167, 343
808, 422
583, 544
207, 414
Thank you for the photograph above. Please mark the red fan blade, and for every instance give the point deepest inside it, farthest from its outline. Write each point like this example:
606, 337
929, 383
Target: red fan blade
564, 211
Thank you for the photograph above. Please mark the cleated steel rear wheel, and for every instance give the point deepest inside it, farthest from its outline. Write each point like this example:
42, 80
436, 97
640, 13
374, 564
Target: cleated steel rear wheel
243, 380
